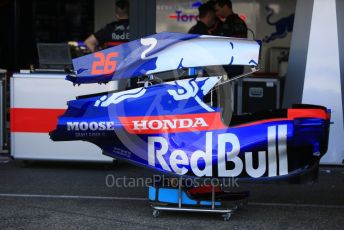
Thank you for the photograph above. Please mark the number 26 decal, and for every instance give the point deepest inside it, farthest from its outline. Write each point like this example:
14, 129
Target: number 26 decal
104, 63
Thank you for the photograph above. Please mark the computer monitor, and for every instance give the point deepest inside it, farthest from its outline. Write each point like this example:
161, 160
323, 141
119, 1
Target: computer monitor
54, 56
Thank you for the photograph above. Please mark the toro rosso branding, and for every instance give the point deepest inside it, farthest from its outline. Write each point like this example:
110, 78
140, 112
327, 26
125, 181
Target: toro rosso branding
180, 162
180, 16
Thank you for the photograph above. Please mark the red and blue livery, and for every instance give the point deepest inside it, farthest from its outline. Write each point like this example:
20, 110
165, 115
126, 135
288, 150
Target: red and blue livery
184, 125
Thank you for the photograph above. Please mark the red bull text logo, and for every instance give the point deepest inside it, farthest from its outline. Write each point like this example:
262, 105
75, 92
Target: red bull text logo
274, 161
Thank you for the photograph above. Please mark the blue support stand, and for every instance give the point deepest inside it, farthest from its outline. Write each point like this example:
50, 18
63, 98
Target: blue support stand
177, 199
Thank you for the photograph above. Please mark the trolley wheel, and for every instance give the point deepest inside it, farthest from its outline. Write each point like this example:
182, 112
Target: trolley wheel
156, 213
226, 216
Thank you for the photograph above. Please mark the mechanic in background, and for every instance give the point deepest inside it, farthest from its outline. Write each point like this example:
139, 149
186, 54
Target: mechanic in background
232, 25
114, 33
206, 20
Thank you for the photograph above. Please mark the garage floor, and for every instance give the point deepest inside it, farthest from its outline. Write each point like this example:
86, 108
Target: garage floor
76, 196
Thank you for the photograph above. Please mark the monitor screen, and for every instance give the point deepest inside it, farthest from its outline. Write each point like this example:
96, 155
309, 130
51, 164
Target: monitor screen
54, 55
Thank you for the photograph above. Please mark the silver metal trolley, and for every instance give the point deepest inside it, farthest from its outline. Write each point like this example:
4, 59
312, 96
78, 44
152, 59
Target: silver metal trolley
226, 212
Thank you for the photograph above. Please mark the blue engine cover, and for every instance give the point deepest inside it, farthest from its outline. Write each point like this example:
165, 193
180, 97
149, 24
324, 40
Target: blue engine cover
169, 128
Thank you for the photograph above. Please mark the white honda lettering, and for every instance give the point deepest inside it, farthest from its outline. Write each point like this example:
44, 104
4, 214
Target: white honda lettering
155, 124
185, 123
200, 122
169, 124
140, 125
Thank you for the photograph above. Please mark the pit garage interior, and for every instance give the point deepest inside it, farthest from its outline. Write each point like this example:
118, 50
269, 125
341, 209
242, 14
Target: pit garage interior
73, 185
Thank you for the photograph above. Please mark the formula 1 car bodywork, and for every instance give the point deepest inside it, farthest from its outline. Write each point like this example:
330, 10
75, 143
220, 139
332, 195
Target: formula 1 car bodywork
173, 127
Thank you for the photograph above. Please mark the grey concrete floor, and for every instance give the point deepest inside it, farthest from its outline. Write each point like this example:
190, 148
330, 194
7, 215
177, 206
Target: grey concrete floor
61, 195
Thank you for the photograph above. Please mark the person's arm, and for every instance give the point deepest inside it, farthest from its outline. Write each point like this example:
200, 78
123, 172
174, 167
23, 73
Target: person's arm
91, 43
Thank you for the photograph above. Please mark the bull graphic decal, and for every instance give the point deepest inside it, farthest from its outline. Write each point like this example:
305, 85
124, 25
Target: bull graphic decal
283, 26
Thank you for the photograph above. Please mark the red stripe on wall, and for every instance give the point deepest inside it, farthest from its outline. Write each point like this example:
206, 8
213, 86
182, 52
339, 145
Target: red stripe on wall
34, 120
